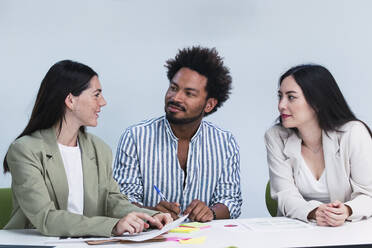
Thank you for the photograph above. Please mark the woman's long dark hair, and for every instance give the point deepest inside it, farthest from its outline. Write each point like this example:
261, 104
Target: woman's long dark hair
323, 95
63, 78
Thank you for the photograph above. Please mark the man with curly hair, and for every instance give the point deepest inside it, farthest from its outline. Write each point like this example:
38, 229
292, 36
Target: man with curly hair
194, 163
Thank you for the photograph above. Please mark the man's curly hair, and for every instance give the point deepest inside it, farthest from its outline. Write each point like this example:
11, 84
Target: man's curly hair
208, 63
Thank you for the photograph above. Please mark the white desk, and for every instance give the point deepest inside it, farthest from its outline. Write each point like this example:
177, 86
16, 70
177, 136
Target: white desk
220, 236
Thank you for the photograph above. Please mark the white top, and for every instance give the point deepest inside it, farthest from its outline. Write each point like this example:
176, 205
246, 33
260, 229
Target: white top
309, 187
71, 157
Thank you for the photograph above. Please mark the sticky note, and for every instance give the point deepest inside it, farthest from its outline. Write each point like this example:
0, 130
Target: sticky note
194, 224
231, 225
184, 230
205, 227
194, 241
176, 239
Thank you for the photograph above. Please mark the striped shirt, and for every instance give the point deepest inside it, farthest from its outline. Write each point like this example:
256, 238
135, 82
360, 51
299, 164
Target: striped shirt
147, 156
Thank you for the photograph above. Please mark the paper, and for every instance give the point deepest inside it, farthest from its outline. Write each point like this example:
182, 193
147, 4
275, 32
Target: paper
160, 238
194, 241
274, 224
137, 237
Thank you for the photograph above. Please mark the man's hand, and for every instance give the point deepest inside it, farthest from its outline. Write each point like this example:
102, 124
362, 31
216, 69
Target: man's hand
173, 208
198, 211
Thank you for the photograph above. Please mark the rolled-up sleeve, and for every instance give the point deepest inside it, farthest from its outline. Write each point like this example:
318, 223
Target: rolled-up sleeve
126, 169
228, 190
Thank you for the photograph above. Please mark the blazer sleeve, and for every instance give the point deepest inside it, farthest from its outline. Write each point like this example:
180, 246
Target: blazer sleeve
360, 147
31, 193
282, 184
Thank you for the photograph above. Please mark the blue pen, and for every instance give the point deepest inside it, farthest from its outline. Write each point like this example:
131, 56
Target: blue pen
159, 193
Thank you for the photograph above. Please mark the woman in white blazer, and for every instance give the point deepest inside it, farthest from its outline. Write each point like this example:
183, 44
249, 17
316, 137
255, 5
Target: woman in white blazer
319, 154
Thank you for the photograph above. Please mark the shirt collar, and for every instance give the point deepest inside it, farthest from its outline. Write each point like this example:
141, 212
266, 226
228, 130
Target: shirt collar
170, 132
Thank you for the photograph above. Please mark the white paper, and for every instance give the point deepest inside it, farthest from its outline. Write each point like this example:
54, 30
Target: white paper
137, 237
274, 224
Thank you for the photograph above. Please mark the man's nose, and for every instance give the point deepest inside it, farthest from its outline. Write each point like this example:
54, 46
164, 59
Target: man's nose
178, 97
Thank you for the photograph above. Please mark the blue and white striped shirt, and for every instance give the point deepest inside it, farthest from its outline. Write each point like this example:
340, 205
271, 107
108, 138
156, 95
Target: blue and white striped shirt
147, 156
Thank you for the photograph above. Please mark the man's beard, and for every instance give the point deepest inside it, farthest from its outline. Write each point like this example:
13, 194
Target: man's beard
182, 121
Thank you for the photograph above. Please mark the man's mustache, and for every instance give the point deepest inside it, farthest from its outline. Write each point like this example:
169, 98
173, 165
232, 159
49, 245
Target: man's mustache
176, 104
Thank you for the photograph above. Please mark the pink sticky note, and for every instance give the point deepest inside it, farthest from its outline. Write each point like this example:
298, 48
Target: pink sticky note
201, 228
204, 227
176, 239
230, 225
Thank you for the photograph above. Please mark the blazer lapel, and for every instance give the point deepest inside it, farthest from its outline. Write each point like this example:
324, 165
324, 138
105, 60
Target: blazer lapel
90, 175
292, 149
55, 167
332, 160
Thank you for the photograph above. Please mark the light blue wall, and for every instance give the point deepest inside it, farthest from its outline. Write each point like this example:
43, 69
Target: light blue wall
127, 43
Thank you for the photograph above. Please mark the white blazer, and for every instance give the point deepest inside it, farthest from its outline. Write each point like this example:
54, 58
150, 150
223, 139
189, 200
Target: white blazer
348, 165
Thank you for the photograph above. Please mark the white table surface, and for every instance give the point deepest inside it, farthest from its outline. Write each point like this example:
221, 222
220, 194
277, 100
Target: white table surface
220, 236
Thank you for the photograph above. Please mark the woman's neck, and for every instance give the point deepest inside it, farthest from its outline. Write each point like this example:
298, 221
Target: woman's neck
311, 136
68, 134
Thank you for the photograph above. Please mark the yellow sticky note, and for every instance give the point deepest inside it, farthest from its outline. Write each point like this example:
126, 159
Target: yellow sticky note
184, 230
194, 241
194, 224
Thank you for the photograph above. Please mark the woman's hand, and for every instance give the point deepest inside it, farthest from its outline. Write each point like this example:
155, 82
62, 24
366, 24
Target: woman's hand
336, 213
161, 220
331, 214
318, 215
134, 222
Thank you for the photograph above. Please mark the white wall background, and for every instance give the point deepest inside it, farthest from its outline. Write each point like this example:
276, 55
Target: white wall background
128, 41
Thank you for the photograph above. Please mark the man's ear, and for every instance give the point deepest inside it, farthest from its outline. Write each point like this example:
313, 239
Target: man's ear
211, 103
69, 101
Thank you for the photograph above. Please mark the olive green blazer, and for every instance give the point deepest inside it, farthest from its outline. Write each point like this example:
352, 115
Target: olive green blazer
40, 189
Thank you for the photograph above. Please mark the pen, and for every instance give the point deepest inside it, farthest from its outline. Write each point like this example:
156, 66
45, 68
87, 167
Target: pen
159, 193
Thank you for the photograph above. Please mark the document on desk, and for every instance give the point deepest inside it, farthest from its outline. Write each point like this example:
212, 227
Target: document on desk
274, 224
137, 237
